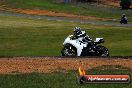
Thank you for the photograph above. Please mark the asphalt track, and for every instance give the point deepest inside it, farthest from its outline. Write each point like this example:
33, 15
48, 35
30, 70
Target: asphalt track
93, 22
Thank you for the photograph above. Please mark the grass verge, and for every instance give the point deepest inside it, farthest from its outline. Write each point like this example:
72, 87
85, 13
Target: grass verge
57, 80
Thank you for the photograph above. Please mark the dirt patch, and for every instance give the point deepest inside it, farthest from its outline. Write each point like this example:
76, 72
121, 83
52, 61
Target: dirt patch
51, 64
50, 13
114, 3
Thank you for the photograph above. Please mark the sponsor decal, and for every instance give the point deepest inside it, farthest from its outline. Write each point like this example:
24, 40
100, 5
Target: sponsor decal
83, 78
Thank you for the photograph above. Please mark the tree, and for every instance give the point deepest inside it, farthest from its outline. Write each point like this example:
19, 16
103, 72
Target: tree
125, 4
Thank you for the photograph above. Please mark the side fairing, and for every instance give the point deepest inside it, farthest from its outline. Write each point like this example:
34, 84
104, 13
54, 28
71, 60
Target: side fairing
76, 43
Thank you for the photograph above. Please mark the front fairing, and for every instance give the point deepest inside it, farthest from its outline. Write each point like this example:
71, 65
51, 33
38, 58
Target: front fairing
76, 43
67, 39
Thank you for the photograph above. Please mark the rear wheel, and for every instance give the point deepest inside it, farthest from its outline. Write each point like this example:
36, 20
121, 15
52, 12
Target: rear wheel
103, 51
69, 50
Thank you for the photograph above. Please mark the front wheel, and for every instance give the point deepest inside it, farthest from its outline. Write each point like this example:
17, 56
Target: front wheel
103, 51
69, 50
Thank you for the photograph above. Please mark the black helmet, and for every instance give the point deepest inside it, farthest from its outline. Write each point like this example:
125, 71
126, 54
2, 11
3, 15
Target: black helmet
77, 30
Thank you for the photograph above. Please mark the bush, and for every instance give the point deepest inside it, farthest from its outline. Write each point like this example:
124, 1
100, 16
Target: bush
125, 4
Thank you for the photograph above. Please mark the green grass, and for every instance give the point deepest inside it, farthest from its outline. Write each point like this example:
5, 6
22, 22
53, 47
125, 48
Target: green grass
57, 80
79, 9
22, 37
28, 37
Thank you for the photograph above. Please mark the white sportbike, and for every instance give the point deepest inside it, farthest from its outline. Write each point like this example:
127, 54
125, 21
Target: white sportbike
76, 47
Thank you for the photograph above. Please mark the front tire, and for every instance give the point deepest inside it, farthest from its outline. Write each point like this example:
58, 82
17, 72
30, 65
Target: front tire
69, 50
103, 51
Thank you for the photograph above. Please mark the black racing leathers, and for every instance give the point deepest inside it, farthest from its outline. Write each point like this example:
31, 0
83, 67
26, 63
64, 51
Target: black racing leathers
85, 38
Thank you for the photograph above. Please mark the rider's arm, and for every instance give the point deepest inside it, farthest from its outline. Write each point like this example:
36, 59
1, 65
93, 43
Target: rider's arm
82, 34
87, 39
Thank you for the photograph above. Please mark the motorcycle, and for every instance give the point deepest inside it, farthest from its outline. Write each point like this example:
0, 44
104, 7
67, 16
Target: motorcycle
123, 20
76, 47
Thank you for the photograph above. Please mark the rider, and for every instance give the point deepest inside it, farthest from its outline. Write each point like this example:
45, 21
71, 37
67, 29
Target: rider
78, 33
124, 18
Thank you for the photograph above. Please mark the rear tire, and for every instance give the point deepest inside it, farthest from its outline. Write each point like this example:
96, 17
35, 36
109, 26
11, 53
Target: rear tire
69, 50
103, 51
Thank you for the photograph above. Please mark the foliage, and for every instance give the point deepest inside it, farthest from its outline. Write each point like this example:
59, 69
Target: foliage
125, 4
